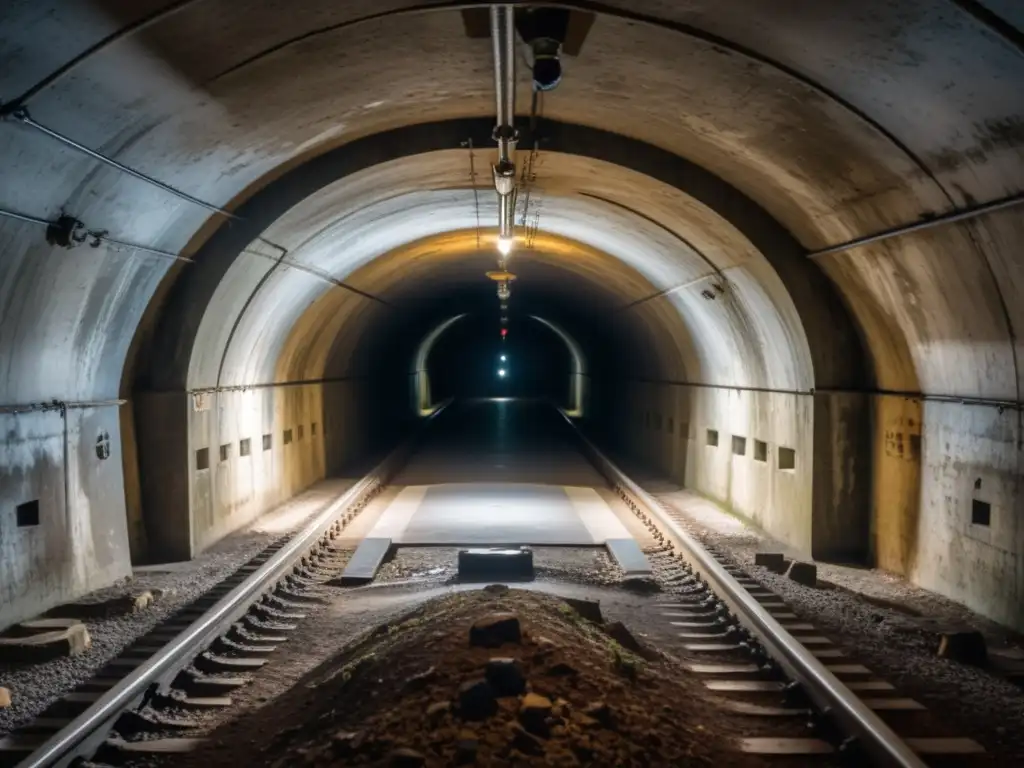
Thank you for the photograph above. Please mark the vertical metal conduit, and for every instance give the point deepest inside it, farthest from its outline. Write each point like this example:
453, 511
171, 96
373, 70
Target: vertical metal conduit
503, 41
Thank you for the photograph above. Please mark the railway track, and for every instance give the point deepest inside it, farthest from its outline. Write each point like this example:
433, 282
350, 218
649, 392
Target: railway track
748, 645
195, 658
742, 640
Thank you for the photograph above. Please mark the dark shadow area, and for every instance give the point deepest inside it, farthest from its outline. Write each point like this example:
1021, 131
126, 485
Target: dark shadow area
472, 359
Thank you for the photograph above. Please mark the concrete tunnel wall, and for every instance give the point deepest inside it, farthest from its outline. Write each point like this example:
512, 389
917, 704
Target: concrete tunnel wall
835, 124
410, 244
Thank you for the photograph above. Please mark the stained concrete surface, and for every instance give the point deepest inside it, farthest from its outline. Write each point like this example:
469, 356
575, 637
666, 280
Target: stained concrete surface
486, 459
782, 128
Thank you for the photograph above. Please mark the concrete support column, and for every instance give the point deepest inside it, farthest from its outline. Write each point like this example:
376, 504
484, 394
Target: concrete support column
842, 477
164, 460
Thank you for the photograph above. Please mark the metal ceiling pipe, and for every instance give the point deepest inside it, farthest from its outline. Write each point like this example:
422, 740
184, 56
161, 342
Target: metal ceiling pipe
503, 41
506, 215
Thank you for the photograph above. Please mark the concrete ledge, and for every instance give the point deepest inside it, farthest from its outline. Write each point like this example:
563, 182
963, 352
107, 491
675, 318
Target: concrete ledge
629, 556
365, 562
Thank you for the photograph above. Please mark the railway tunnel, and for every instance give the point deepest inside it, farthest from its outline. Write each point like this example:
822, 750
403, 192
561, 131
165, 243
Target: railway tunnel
769, 253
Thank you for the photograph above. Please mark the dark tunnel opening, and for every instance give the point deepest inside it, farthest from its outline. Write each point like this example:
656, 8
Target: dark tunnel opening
472, 359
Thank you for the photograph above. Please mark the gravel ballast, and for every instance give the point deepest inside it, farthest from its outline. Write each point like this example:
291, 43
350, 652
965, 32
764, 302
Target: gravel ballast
485, 676
886, 623
34, 687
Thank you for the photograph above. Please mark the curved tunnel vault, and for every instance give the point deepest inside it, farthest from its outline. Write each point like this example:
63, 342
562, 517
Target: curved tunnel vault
702, 179
575, 405
422, 400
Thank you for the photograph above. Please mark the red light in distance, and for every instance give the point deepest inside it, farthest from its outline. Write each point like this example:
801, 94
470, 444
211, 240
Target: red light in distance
504, 332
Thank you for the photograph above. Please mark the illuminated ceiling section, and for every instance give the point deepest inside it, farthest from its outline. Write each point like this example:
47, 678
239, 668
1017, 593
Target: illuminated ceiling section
407, 230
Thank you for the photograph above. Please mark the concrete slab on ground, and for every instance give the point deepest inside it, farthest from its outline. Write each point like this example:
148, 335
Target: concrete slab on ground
366, 561
494, 515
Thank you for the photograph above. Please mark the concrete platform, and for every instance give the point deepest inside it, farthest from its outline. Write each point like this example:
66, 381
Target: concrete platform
495, 514
498, 514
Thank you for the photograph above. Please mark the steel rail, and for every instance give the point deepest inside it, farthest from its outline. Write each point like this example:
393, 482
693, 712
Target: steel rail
856, 719
195, 638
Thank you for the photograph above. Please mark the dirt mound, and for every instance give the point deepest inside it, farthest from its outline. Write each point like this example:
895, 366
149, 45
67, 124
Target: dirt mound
500, 677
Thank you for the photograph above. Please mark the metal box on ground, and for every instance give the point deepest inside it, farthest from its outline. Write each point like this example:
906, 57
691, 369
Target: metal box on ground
496, 564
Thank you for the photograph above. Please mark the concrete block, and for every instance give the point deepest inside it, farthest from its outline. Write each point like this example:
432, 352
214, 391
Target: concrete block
629, 557
620, 633
365, 562
44, 646
967, 647
803, 573
773, 561
5, 698
104, 608
496, 564
588, 609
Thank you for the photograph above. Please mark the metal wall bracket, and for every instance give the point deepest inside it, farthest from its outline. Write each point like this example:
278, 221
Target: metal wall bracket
66, 232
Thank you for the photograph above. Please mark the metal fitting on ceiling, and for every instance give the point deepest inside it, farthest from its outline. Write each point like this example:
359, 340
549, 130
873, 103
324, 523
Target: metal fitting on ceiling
503, 42
544, 29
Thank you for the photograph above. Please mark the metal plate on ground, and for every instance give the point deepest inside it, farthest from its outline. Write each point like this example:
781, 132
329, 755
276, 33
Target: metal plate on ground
629, 556
365, 562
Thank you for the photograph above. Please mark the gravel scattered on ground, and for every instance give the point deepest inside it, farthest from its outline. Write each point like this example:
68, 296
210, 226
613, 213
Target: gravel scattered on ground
35, 686
886, 622
439, 565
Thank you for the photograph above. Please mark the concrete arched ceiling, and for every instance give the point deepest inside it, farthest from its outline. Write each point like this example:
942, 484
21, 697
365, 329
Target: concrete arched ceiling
837, 121
419, 239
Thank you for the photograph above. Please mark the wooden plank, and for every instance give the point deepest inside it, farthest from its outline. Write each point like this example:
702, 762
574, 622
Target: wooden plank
945, 746
783, 746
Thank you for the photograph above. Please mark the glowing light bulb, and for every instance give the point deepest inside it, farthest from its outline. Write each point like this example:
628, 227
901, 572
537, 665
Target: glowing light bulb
501, 372
505, 245
503, 358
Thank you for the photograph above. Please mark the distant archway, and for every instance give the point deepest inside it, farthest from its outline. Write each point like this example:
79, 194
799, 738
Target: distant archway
421, 397
578, 376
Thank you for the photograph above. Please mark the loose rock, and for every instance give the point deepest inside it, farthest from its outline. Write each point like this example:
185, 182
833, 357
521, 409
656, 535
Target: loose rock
43, 646
588, 609
773, 561
437, 710
621, 634
477, 700
601, 712
419, 681
466, 747
534, 712
525, 742
494, 630
967, 647
345, 743
404, 757
561, 669
803, 573
506, 675
641, 584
